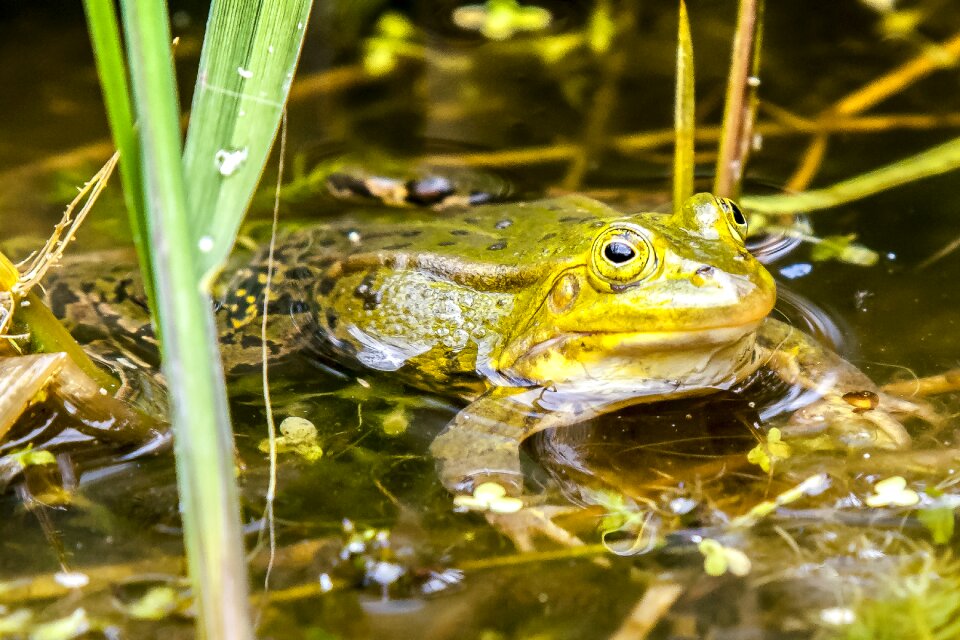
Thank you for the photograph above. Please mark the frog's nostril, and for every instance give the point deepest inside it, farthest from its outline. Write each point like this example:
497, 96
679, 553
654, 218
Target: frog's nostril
703, 276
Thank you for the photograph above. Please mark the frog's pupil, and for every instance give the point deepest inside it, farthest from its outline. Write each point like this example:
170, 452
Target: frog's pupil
738, 216
619, 252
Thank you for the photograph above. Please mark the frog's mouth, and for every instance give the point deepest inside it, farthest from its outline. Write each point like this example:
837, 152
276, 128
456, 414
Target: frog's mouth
656, 363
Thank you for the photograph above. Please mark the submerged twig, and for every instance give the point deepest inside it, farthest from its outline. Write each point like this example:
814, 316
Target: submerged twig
869, 95
649, 610
36, 266
644, 141
946, 382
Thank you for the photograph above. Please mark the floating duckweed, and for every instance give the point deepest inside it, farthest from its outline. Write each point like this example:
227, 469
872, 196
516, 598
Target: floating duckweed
767, 454
939, 521
718, 559
396, 422
27, 457
298, 435
489, 496
844, 249
501, 19
892, 492
393, 36
72, 626
15, 623
156, 604
601, 29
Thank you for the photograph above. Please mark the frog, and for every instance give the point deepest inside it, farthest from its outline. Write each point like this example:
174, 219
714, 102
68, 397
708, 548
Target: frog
538, 315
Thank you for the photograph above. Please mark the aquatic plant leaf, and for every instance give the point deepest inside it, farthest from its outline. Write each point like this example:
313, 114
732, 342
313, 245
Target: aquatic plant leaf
72, 626
29, 458
15, 623
939, 521
683, 114
501, 19
601, 28
298, 435
931, 162
108, 53
249, 56
156, 604
393, 36
766, 454
892, 492
843, 249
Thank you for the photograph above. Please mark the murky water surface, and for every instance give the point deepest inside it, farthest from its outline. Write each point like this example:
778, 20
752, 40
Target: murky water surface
368, 543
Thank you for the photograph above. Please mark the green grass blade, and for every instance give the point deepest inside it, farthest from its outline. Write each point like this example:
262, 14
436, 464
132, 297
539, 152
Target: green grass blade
931, 162
105, 38
683, 114
249, 55
203, 436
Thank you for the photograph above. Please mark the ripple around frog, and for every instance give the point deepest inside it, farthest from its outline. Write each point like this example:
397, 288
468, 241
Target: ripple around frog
652, 455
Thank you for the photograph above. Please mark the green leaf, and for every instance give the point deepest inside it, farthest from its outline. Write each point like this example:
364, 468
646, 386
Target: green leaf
843, 249
249, 55
105, 37
931, 162
939, 521
683, 114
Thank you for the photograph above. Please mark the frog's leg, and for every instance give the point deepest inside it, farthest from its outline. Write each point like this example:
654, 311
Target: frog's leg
849, 402
481, 445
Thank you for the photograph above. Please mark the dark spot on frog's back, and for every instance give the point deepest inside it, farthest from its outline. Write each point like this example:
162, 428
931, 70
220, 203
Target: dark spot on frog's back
331, 319
446, 243
497, 246
298, 273
397, 247
326, 286
460, 232
548, 237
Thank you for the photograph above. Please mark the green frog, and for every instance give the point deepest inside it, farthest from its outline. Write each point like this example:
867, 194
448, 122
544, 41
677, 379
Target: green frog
539, 314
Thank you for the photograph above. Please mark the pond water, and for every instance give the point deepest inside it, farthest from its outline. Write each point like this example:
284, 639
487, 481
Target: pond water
369, 545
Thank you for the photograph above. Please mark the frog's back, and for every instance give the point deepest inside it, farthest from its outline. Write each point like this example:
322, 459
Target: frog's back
432, 295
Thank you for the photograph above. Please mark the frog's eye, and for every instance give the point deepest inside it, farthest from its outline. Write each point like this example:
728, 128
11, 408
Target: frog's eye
622, 255
734, 216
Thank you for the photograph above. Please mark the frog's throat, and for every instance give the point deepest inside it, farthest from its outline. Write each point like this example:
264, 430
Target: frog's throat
656, 364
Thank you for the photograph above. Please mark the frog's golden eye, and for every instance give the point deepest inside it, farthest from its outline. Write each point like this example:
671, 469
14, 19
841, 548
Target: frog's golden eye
734, 216
622, 255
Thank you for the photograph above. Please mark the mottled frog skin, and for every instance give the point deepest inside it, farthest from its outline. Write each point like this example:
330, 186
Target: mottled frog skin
542, 314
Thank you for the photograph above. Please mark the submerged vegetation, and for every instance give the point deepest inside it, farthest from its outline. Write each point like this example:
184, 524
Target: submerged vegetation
683, 519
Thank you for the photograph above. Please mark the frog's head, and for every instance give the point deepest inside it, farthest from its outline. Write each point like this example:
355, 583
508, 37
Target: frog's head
666, 301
